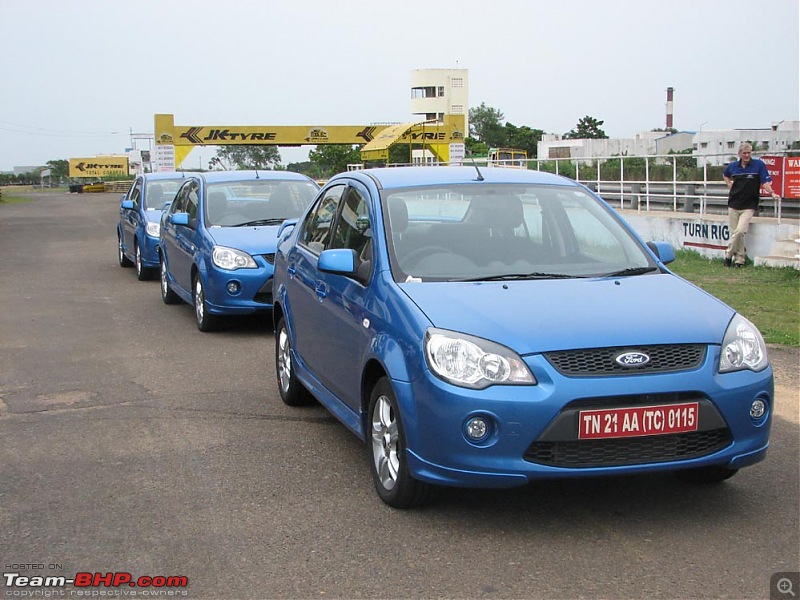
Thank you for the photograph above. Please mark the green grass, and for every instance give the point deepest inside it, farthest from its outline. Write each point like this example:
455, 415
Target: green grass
769, 297
7, 199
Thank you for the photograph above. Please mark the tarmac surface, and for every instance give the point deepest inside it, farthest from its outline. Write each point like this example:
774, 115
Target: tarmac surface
133, 443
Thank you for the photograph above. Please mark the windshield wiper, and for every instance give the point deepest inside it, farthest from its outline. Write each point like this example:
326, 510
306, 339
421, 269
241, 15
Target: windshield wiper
631, 271
261, 222
520, 276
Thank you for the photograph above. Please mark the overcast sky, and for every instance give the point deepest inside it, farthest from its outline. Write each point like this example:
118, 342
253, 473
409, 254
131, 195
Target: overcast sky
77, 77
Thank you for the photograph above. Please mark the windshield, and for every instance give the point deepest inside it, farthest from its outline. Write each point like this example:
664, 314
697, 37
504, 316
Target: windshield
160, 192
506, 231
256, 202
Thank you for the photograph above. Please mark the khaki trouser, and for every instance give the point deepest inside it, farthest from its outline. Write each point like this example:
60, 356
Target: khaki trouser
738, 223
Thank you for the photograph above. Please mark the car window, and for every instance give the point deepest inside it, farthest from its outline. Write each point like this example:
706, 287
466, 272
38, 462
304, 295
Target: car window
353, 225
316, 229
134, 195
180, 201
497, 230
257, 202
191, 201
158, 192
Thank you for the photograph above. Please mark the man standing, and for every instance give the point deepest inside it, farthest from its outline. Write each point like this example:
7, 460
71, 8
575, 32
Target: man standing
744, 177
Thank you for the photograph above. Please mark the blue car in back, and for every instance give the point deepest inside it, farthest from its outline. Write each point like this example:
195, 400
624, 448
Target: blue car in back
140, 219
217, 240
490, 327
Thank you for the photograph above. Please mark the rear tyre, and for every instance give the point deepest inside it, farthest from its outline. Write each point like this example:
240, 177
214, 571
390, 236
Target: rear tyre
124, 261
387, 452
706, 475
205, 320
167, 295
291, 390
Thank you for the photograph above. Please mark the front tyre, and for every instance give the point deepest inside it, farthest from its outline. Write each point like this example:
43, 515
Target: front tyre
167, 295
124, 261
387, 452
291, 390
205, 320
142, 272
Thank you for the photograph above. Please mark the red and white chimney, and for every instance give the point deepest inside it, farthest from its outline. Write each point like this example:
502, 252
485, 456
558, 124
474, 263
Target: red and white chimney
669, 107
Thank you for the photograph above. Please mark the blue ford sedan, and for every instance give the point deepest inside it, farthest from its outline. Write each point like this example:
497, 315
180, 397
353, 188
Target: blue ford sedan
140, 217
218, 237
487, 328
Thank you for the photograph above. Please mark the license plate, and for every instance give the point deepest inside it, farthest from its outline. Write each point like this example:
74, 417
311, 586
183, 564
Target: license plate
639, 421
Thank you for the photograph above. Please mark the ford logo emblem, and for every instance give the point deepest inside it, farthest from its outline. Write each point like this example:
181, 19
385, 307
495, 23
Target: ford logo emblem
632, 359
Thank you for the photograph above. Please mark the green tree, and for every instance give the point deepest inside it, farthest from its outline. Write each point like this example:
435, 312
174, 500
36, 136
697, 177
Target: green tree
523, 138
334, 158
485, 125
246, 157
59, 169
588, 128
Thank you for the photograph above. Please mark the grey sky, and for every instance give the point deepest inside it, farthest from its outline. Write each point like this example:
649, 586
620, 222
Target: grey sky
78, 76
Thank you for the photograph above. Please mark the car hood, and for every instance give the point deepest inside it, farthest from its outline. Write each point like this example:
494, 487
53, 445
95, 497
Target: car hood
253, 240
562, 314
153, 215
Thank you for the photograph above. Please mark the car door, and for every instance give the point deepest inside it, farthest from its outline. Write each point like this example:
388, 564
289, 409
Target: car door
131, 218
169, 232
345, 336
307, 309
186, 238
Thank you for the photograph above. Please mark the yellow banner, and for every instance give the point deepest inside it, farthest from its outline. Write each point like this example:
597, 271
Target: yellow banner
98, 166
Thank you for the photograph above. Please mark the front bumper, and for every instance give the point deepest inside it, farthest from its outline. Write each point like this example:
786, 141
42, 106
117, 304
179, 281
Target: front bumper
240, 292
533, 429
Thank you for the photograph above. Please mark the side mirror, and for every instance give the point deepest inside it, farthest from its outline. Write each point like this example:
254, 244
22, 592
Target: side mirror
339, 261
287, 226
663, 250
127, 204
180, 219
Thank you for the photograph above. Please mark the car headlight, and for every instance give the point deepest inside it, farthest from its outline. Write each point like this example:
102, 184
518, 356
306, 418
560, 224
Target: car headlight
153, 229
473, 362
232, 259
742, 347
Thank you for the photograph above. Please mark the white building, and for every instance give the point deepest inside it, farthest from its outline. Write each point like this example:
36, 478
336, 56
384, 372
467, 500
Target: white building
436, 93
713, 147
647, 143
719, 147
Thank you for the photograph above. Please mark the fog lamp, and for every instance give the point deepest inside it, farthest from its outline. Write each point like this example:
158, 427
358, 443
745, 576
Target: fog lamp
234, 287
477, 429
758, 408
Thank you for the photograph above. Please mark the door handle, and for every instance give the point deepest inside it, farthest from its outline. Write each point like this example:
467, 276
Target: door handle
291, 269
321, 290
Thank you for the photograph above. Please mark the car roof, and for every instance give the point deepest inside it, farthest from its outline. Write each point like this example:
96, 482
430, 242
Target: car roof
267, 174
161, 175
400, 177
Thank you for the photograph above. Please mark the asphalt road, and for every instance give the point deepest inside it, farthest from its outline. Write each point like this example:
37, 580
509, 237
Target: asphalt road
131, 442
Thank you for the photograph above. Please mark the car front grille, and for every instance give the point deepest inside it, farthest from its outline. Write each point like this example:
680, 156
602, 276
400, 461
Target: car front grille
270, 258
594, 362
628, 451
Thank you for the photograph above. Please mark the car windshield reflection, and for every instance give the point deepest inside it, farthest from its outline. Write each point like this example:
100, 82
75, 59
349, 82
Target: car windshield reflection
254, 203
506, 232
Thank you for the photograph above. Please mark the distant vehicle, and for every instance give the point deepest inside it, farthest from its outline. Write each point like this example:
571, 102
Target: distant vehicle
97, 186
487, 328
507, 157
139, 220
218, 238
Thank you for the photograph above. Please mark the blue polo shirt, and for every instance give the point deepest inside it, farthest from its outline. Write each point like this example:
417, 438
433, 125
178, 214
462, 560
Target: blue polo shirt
747, 182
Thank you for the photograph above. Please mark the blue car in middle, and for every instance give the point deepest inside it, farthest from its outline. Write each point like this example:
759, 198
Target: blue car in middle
218, 240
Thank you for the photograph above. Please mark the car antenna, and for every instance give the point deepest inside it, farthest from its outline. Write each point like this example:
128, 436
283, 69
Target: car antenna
480, 177
256, 170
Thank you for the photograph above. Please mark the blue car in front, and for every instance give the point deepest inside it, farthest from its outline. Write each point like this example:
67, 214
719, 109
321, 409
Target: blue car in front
490, 328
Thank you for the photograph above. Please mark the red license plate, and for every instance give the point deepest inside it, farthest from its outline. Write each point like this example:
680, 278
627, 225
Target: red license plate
639, 421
